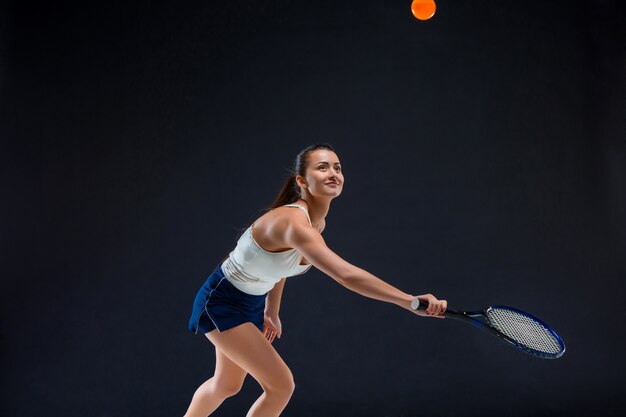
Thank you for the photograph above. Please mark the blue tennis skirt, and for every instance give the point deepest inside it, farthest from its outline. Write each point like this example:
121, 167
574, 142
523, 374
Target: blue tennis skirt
219, 305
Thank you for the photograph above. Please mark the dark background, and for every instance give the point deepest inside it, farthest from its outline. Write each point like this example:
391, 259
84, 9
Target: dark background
484, 154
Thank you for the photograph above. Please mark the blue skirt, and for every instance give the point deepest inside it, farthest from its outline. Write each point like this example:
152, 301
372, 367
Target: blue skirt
219, 305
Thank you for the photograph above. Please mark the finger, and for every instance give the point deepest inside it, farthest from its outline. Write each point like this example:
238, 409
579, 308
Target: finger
430, 305
435, 306
441, 310
437, 309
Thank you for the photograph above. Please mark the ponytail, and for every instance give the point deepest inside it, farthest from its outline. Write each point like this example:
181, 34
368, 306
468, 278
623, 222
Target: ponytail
290, 191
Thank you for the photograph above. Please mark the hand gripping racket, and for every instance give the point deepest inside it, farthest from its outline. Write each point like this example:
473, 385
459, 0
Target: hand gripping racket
518, 328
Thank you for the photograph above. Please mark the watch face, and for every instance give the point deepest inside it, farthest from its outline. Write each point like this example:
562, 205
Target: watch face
415, 303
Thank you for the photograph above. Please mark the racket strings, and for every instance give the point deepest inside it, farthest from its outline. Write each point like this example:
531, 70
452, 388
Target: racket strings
524, 330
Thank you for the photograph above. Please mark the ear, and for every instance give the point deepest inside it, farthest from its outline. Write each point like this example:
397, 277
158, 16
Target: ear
300, 181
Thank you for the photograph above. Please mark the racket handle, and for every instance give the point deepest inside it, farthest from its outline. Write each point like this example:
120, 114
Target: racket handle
417, 304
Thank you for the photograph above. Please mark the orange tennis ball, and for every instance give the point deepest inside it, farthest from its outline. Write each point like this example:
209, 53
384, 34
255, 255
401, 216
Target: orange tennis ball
423, 9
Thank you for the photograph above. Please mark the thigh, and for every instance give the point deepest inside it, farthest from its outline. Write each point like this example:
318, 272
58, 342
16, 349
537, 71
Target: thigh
246, 347
227, 372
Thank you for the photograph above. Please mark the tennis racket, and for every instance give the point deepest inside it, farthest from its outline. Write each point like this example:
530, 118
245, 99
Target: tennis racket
511, 325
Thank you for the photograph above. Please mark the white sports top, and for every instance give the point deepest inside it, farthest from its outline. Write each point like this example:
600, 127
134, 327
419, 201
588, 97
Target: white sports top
254, 270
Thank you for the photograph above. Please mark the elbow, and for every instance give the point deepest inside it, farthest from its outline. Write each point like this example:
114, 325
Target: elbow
349, 277
339, 270
344, 282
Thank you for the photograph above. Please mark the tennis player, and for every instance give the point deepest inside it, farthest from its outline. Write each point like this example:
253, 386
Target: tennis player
237, 307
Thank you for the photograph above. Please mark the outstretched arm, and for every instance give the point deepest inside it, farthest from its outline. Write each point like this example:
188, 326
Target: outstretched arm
311, 244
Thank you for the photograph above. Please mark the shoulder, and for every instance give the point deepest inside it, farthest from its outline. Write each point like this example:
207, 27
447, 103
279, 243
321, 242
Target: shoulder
288, 218
291, 215
300, 234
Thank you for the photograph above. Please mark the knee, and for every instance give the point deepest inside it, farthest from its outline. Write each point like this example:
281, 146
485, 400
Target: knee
227, 390
289, 385
292, 388
283, 387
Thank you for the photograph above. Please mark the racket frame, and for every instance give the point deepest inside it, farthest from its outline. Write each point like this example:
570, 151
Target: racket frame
480, 320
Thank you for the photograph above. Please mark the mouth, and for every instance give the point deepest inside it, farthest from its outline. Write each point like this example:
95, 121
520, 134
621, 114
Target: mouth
332, 184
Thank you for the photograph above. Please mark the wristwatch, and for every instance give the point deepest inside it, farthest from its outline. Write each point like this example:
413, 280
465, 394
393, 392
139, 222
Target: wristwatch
415, 303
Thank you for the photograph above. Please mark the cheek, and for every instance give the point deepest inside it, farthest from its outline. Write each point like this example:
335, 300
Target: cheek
319, 177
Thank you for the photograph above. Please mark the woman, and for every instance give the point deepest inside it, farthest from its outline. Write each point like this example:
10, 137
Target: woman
237, 307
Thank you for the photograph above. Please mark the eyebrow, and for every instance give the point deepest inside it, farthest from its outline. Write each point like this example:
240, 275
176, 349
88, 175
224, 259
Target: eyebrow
326, 162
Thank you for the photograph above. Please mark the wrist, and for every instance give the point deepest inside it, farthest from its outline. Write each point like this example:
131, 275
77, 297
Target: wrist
405, 301
271, 312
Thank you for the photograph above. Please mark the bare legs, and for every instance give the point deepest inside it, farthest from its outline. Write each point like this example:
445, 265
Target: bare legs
239, 351
226, 382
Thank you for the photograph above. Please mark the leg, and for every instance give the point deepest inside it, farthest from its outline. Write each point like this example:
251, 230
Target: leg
247, 347
226, 382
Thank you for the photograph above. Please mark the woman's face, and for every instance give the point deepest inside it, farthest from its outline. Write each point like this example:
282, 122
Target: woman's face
324, 175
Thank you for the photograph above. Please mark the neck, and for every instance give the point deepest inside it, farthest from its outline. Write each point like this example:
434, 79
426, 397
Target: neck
317, 208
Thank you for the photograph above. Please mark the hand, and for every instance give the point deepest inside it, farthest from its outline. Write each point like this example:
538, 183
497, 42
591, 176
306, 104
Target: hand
435, 307
272, 327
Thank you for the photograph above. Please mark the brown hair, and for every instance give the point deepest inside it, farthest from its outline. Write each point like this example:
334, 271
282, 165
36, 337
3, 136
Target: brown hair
290, 191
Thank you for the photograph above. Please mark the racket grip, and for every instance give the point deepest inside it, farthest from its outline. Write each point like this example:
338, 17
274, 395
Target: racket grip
417, 304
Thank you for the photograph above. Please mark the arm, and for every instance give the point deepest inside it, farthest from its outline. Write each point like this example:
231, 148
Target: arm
310, 243
272, 301
272, 326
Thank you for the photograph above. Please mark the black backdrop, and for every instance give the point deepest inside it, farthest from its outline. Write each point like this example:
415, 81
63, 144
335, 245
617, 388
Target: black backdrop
484, 157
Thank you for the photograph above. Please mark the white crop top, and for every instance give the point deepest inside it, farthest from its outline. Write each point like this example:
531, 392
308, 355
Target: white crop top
254, 270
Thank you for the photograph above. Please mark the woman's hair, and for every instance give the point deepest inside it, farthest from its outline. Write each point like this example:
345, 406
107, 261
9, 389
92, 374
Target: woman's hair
290, 190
